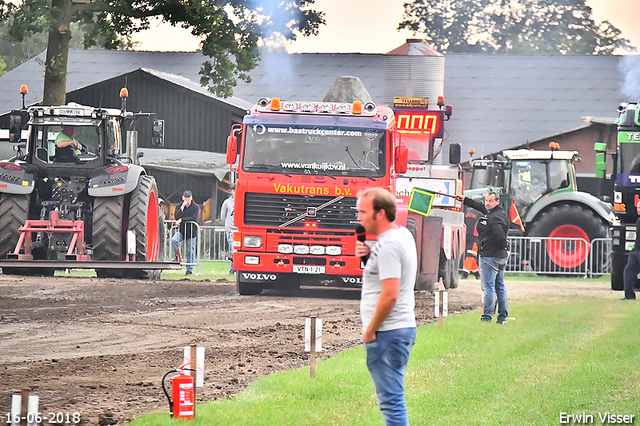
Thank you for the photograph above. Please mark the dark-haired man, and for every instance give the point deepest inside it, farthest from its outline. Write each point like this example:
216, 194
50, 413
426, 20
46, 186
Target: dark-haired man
492, 232
186, 215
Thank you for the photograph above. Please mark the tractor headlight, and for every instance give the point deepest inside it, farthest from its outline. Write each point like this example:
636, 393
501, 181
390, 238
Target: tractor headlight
252, 241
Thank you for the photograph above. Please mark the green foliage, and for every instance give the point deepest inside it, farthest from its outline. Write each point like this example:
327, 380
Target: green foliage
570, 355
512, 26
231, 30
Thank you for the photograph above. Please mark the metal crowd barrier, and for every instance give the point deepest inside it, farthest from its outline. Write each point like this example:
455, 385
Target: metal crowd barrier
537, 255
559, 256
211, 244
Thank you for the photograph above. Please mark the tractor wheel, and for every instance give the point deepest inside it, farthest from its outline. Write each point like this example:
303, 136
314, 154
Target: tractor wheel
14, 212
145, 220
571, 222
108, 233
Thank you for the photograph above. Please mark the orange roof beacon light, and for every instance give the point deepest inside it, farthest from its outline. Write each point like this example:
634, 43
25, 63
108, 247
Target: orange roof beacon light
275, 104
23, 92
124, 94
440, 101
357, 107
471, 152
553, 146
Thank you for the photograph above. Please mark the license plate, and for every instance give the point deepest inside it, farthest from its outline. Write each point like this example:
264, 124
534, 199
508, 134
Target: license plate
308, 269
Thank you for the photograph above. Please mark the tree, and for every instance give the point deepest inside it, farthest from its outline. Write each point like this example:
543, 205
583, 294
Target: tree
14, 53
231, 31
512, 26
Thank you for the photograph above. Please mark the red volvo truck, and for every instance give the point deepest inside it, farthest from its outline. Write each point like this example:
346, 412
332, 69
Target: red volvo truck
300, 166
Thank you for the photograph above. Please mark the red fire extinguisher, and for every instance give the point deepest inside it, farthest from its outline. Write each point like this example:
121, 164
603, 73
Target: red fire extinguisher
182, 403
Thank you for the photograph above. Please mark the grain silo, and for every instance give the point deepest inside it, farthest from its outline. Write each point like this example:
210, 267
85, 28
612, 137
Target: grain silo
413, 69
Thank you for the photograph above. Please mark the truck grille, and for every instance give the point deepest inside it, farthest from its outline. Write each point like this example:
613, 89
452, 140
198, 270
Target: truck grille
278, 209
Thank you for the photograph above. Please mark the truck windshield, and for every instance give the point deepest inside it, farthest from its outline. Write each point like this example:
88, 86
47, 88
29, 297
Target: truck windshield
305, 150
629, 158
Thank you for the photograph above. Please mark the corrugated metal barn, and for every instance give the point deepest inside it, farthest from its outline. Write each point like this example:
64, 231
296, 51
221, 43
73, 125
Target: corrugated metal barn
196, 123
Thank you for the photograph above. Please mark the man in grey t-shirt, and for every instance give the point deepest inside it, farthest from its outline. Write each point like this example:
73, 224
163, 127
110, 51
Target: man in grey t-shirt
387, 302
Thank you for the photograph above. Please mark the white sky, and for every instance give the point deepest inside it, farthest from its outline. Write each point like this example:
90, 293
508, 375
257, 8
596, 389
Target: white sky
370, 26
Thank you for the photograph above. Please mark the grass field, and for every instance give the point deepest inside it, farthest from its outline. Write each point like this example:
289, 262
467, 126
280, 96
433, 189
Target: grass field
208, 271
563, 356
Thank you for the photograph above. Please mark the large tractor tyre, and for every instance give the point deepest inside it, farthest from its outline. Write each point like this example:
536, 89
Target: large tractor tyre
571, 222
145, 220
14, 212
108, 233
246, 288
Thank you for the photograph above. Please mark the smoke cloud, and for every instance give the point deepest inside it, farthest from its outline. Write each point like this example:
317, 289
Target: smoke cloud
629, 66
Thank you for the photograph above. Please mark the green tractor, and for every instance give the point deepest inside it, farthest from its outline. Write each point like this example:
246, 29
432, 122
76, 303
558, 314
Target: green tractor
542, 187
88, 205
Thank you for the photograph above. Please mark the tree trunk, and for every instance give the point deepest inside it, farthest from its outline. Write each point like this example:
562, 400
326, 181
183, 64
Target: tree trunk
55, 74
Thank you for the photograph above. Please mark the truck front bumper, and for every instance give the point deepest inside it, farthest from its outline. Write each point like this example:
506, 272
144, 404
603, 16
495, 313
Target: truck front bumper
261, 267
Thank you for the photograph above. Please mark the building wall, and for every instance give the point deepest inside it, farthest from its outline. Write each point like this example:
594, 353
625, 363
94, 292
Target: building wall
192, 120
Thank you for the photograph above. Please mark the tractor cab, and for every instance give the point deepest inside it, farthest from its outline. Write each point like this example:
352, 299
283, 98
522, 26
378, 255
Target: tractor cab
524, 176
97, 132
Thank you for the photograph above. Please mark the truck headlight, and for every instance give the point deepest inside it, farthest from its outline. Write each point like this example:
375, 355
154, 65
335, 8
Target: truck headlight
301, 249
252, 241
285, 248
317, 250
333, 250
252, 260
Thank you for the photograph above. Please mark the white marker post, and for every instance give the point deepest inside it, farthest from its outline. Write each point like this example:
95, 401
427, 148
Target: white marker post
441, 300
195, 353
24, 409
313, 340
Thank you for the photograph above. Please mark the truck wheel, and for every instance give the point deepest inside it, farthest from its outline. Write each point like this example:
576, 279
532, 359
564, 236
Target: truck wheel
14, 212
144, 219
246, 288
567, 221
108, 235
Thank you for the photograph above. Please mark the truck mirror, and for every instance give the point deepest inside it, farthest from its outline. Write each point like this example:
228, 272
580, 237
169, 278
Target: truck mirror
454, 153
158, 133
232, 149
601, 165
15, 126
600, 147
402, 155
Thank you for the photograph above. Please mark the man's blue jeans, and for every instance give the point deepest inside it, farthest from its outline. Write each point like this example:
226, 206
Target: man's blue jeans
229, 235
191, 248
387, 358
492, 280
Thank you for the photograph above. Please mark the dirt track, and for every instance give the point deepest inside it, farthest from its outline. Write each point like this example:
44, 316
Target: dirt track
99, 347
